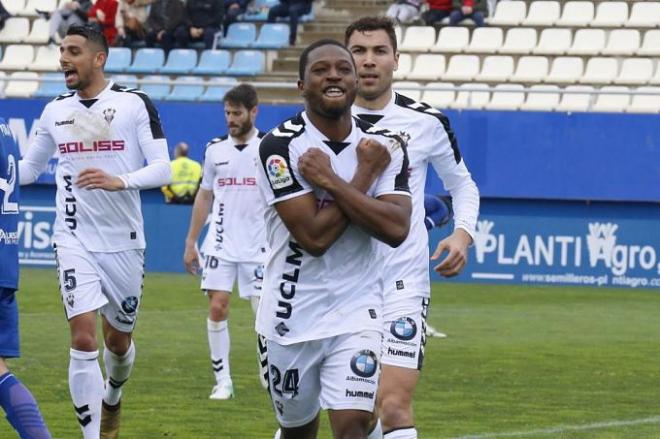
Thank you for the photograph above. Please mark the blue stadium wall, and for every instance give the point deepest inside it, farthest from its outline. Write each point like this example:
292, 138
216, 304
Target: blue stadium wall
566, 198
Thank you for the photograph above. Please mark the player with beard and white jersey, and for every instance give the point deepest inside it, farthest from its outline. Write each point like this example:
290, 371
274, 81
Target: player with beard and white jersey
235, 244
103, 133
372, 41
331, 187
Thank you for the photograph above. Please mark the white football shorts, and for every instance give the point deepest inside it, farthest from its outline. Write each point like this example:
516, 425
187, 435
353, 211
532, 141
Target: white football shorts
108, 282
336, 373
404, 332
220, 275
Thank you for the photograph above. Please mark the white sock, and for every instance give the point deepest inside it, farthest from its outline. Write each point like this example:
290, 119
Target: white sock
278, 434
86, 387
401, 433
254, 303
117, 370
377, 432
219, 347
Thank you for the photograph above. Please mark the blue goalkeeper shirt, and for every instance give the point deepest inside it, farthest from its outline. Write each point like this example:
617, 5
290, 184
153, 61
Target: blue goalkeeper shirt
9, 189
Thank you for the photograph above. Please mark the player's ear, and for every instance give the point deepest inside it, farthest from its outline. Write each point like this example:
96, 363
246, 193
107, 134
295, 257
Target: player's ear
396, 61
100, 59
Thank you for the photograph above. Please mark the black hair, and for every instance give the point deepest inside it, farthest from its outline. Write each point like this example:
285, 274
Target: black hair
367, 24
302, 64
242, 94
91, 33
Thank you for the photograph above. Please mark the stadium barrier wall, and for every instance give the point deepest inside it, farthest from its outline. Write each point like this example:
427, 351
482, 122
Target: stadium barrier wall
594, 178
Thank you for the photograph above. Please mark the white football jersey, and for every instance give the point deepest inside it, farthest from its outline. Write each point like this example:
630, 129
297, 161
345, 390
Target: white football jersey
306, 297
237, 231
430, 140
110, 132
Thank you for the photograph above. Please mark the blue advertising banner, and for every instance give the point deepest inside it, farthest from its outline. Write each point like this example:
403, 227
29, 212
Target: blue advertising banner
523, 155
566, 243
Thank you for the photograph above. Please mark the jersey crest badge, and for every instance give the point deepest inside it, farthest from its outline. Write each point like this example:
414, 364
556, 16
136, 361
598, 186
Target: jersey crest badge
109, 114
278, 172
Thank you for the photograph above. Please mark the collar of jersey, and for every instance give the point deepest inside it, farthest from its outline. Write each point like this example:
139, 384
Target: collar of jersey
316, 133
98, 96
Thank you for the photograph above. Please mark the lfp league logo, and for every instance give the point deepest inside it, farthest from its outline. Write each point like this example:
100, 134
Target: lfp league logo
278, 172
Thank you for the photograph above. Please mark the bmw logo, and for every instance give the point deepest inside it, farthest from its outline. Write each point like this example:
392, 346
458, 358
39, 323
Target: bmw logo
404, 328
364, 364
129, 305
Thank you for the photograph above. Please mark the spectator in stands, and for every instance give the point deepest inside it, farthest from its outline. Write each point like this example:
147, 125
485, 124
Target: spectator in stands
71, 13
477, 10
405, 11
186, 175
293, 9
102, 14
233, 9
438, 10
4, 15
164, 17
129, 21
202, 20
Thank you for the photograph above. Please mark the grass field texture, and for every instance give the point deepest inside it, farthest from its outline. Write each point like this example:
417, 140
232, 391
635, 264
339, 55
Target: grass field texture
519, 362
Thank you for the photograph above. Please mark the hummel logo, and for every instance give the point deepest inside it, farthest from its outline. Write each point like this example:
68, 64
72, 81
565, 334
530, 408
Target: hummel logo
221, 163
281, 329
59, 123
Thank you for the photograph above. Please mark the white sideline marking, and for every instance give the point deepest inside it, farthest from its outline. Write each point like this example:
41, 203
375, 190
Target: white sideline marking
565, 428
38, 208
504, 276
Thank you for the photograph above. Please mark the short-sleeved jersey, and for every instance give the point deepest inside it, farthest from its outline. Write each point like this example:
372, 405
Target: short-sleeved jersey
237, 231
109, 132
9, 192
430, 140
306, 297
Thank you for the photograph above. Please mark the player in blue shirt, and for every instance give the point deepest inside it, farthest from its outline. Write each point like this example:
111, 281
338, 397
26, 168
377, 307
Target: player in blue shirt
18, 403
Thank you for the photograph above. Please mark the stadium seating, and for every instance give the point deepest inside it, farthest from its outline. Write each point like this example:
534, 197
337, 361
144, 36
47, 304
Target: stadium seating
651, 44
155, 91
471, 99
635, 71
126, 80
509, 13
644, 14
50, 85
614, 103
16, 30
47, 58
452, 39
405, 66
240, 36
587, 42
541, 101
434, 96
39, 32
418, 39
565, 69
401, 87
212, 62
519, 41
14, 7
187, 92
462, 68
496, 68
576, 13
247, 63
531, 69
17, 57
179, 62
506, 100
656, 78
217, 87
22, 89
542, 13
553, 42
272, 36
427, 67
600, 71
485, 40
645, 103
147, 61
31, 7
622, 42
576, 101
610, 14
119, 59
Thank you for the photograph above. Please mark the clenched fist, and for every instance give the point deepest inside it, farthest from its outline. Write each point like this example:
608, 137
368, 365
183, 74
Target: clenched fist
315, 166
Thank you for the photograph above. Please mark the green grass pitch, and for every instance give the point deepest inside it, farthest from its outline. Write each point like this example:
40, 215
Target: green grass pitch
519, 362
